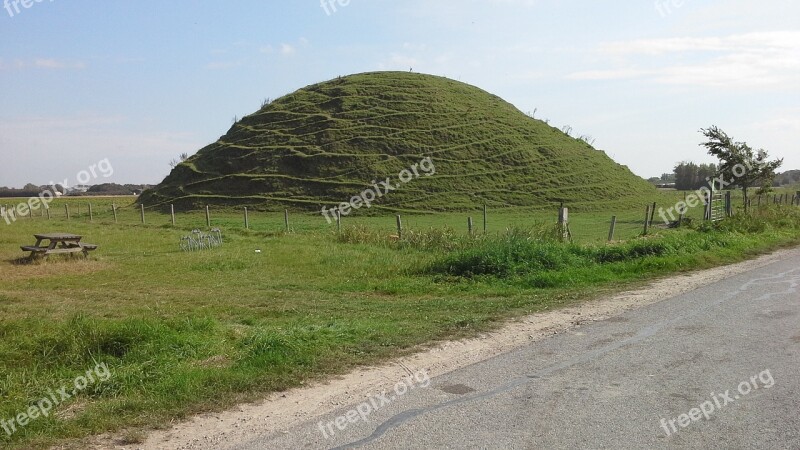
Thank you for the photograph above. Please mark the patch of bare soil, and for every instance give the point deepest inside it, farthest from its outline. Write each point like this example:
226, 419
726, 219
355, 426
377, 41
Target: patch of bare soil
21, 269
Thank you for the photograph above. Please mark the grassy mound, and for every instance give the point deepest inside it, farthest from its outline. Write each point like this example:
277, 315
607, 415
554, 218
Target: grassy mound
325, 143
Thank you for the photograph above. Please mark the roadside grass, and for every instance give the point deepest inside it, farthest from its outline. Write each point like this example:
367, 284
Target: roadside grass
184, 333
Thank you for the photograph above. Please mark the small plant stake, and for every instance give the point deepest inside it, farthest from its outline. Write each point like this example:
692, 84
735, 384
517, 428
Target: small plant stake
613, 227
399, 227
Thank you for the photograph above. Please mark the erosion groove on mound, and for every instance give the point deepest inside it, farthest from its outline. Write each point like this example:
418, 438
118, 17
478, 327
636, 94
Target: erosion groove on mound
325, 143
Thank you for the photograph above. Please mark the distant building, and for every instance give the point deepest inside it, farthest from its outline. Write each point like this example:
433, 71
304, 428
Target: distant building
78, 189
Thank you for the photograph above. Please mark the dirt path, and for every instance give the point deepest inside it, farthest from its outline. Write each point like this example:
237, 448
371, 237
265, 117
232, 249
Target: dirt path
280, 411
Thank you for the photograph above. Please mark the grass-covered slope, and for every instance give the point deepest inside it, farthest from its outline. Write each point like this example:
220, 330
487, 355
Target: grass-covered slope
327, 142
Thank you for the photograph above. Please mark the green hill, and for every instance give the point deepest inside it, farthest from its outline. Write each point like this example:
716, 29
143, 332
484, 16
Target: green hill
327, 142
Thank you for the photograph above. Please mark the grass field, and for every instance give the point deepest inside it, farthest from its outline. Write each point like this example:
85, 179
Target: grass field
189, 332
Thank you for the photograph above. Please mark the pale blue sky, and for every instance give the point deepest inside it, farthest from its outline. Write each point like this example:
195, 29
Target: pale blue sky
140, 82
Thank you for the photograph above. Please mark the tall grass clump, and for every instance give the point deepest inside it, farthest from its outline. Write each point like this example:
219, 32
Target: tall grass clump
540, 260
438, 239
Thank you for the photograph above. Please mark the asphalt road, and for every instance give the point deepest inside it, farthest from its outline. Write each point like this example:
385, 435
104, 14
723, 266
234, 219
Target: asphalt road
720, 366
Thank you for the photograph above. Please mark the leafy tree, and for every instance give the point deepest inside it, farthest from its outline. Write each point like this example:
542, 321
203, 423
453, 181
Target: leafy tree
789, 178
686, 176
740, 165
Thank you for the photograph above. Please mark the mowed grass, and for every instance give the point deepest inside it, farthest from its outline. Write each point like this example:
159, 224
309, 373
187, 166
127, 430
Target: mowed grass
190, 332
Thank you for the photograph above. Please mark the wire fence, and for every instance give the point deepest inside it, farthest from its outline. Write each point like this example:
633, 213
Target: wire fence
595, 226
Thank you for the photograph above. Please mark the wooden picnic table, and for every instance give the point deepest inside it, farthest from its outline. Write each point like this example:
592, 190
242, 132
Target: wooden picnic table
59, 243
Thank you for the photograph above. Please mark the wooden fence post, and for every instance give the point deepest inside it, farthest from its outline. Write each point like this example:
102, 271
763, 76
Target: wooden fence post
469, 225
66, 208
613, 227
47, 208
728, 204
563, 223
246, 219
484, 218
338, 221
208, 217
646, 219
142, 210
286, 219
114, 211
652, 214
399, 227
91, 216
172, 213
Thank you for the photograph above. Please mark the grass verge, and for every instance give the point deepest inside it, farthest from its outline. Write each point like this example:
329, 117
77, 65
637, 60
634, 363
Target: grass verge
184, 333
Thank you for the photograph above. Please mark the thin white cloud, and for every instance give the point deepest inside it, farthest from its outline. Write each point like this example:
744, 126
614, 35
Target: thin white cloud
768, 59
612, 74
288, 49
41, 63
399, 62
759, 42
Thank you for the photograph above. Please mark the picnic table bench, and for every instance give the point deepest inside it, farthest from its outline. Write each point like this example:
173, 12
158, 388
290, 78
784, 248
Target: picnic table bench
59, 243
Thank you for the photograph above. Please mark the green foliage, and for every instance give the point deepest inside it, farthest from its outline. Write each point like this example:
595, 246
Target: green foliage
545, 262
740, 165
690, 176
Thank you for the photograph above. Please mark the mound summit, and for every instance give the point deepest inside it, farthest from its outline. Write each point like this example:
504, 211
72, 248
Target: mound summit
327, 142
